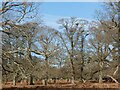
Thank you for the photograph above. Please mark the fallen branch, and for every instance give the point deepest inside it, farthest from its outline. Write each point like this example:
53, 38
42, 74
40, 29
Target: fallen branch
113, 78
115, 72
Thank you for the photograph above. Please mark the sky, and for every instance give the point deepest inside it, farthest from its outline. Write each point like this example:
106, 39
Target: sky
51, 12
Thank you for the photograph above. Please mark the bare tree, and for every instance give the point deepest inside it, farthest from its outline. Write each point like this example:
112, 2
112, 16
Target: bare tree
101, 41
48, 46
22, 39
72, 30
22, 9
109, 21
13, 14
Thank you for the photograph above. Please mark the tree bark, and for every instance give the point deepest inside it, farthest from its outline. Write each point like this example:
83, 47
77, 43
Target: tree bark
72, 70
82, 57
119, 42
101, 72
31, 80
71, 60
47, 68
14, 80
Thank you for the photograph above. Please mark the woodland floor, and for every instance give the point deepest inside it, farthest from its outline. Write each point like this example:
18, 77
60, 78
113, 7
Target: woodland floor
78, 86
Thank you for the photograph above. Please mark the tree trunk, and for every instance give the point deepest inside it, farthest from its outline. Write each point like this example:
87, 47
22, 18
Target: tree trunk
81, 73
119, 41
72, 71
82, 54
55, 80
14, 80
73, 80
100, 77
101, 72
44, 82
47, 69
31, 80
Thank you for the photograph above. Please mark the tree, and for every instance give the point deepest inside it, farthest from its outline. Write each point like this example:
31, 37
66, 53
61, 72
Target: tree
109, 21
70, 37
29, 34
119, 39
14, 14
101, 41
83, 36
22, 40
48, 46
22, 10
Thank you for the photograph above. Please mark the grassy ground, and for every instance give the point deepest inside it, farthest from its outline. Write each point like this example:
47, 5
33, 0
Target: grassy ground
78, 86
